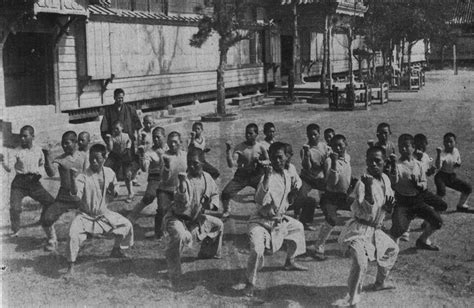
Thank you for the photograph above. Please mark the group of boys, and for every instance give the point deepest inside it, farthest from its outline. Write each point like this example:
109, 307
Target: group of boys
183, 183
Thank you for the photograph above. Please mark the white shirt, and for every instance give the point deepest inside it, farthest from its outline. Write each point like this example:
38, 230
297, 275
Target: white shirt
448, 160
27, 161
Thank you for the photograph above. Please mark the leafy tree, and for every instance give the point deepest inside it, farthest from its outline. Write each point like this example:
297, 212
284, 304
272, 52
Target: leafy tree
228, 21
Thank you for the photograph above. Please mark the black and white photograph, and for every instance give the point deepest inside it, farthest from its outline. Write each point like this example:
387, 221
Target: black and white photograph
236, 153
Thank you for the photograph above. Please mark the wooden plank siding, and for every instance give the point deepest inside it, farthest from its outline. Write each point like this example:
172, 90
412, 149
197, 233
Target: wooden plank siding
149, 87
67, 66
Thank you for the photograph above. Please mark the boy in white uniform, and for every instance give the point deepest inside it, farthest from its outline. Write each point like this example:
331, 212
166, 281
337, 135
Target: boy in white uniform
269, 227
366, 241
93, 188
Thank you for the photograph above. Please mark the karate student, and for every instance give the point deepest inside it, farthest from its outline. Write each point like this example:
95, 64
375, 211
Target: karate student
93, 188
313, 155
338, 173
447, 161
120, 158
269, 132
150, 161
71, 159
174, 162
383, 138
269, 226
421, 142
145, 137
27, 161
83, 141
363, 234
247, 157
409, 181
186, 222
199, 141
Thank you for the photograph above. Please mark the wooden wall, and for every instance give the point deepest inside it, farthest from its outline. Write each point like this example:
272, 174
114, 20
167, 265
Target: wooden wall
147, 61
67, 67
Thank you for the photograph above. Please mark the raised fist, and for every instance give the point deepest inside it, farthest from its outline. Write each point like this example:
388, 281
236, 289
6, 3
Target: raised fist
367, 179
333, 156
305, 148
228, 145
393, 157
371, 142
166, 161
267, 167
143, 134
141, 150
108, 137
439, 150
182, 177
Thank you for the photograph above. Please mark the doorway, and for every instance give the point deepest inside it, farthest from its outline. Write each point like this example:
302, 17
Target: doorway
28, 69
286, 56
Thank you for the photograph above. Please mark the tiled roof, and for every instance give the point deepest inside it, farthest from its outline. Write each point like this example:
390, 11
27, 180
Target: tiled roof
464, 12
103, 11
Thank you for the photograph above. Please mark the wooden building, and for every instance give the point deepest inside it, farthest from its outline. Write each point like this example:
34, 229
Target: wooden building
64, 58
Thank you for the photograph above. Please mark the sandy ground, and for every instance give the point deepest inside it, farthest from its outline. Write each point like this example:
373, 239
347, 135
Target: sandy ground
32, 277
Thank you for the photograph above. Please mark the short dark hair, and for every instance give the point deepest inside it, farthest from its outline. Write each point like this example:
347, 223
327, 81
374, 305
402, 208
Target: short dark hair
311, 127
84, 133
329, 131
449, 135
337, 138
119, 91
420, 138
117, 122
196, 124
192, 151
406, 137
383, 125
71, 135
253, 126
98, 148
174, 134
276, 146
158, 129
267, 126
376, 149
28, 128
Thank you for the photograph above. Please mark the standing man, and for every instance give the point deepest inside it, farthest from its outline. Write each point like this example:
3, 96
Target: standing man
122, 112
127, 115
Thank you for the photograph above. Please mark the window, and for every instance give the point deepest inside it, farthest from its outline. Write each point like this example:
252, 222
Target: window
152, 6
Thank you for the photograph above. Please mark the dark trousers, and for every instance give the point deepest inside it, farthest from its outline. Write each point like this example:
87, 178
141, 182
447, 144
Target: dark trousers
64, 202
306, 206
207, 167
27, 185
443, 179
407, 209
434, 201
331, 202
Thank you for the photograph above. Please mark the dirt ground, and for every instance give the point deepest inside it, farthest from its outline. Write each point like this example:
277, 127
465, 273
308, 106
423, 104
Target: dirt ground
32, 277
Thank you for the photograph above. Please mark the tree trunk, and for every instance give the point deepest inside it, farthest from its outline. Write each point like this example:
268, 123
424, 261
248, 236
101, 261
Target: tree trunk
296, 47
442, 57
349, 47
329, 70
220, 81
384, 64
410, 45
402, 59
323, 67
